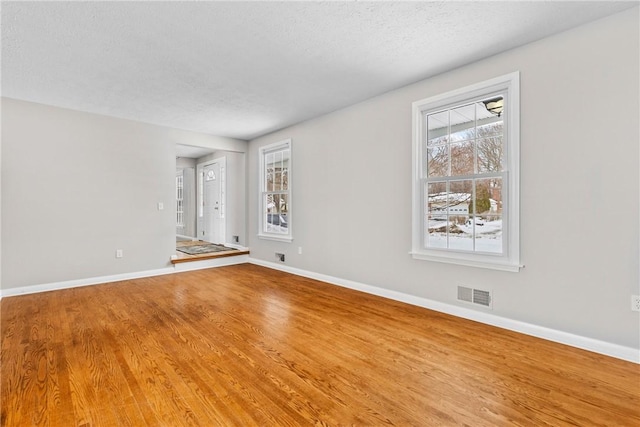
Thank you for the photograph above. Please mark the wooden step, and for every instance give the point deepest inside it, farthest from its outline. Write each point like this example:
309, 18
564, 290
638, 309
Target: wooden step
183, 257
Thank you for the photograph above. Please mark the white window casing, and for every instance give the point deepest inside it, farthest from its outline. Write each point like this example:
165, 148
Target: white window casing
275, 192
180, 199
439, 232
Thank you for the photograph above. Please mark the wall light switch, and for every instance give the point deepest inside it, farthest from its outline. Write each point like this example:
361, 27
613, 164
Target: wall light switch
118, 253
160, 206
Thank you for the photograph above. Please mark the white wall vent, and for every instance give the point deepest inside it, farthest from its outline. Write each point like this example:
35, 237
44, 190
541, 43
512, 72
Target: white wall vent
475, 296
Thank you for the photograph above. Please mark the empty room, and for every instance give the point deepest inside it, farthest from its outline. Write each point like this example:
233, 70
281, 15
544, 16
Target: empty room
320, 213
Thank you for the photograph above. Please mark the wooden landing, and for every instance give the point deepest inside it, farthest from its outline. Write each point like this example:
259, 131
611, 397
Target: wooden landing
182, 257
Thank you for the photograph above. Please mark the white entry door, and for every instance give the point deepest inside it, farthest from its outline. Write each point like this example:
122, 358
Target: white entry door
212, 209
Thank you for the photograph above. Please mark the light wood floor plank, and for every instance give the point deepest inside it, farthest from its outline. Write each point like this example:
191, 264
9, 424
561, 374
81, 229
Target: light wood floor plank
248, 346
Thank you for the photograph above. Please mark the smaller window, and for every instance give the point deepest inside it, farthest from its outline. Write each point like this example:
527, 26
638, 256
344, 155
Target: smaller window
180, 198
275, 191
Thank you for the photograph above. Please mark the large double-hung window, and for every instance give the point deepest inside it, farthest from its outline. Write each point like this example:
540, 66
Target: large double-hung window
466, 176
275, 195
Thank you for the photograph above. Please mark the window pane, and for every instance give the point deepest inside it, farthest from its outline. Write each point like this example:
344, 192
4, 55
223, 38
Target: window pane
438, 128
490, 126
460, 233
269, 172
488, 215
284, 175
490, 154
281, 202
283, 179
482, 115
277, 171
463, 122
488, 233
436, 229
460, 193
276, 203
459, 200
438, 161
276, 220
436, 233
462, 158
488, 199
437, 199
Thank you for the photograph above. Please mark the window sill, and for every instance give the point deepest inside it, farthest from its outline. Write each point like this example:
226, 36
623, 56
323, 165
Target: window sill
470, 262
287, 239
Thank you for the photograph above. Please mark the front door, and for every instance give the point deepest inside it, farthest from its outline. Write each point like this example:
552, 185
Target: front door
212, 204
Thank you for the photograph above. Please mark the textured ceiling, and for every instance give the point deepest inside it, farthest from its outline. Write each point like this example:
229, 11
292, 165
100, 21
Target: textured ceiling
243, 69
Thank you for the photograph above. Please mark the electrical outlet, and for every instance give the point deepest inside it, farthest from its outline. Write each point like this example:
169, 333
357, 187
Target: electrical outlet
118, 253
236, 239
280, 257
635, 302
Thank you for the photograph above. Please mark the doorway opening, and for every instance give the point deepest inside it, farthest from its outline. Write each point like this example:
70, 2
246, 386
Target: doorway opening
212, 194
210, 205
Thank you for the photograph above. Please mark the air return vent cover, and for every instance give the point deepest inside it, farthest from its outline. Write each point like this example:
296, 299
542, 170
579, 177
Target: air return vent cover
475, 296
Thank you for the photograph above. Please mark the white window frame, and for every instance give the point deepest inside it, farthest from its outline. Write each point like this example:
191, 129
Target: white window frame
508, 86
180, 198
263, 152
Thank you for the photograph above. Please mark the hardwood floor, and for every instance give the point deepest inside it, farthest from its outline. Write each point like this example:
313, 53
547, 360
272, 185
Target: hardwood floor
244, 345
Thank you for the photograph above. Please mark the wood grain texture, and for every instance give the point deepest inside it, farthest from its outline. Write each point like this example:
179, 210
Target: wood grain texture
249, 346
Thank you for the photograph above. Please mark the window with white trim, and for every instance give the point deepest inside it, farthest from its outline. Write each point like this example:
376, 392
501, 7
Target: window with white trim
466, 176
180, 198
275, 191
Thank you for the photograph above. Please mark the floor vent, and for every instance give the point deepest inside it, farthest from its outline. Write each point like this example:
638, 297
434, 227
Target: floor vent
475, 296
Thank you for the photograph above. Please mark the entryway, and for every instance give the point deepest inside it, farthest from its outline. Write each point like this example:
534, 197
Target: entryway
211, 200
210, 207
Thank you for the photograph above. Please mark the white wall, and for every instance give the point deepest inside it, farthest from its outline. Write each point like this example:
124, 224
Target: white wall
579, 172
78, 186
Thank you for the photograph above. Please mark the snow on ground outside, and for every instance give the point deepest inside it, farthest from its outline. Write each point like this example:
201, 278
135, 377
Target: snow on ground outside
276, 229
488, 237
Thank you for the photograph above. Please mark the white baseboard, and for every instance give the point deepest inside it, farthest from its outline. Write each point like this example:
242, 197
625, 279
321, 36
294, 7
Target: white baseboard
177, 268
45, 287
602, 347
